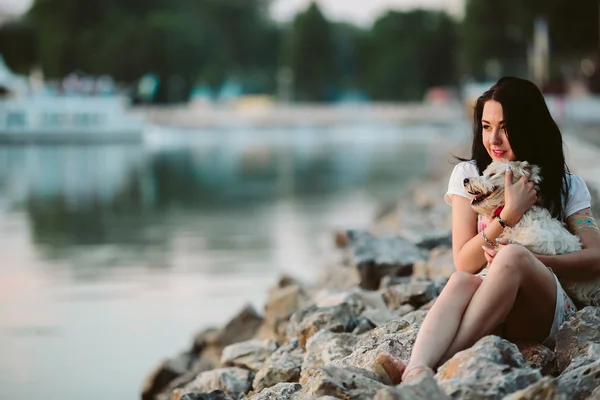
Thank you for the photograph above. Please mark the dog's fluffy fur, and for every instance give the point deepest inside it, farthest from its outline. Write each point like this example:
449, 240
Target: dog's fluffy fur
537, 229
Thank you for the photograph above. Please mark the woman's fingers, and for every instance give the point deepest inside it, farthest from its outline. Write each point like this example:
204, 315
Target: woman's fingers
508, 176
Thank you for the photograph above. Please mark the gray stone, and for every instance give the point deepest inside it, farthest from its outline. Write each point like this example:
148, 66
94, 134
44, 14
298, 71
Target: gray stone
250, 354
284, 365
165, 373
576, 336
281, 391
416, 293
381, 316
344, 383
364, 356
491, 369
232, 381
339, 318
376, 257
324, 348
544, 389
421, 387
198, 366
581, 382
539, 357
416, 317
396, 329
214, 395
281, 304
243, 326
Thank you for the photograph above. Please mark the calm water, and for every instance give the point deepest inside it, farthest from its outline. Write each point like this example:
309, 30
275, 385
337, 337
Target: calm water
113, 257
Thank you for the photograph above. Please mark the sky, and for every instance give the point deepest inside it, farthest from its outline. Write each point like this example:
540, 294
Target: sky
359, 12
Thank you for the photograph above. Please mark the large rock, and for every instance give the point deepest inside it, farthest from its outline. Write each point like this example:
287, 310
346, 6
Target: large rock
243, 326
376, 257
198, 366
357, 298
421, 387
491, 369
324, 348
344, 383
416, 293
165, 373
439, 264
214, 395
581, 382
382, 316
544, 389
396, 329
281, 304
576, 336
250, 354
539, 357
234, 382
281, 391
365, 356
306, 323
284, 365
210, 342
415, 317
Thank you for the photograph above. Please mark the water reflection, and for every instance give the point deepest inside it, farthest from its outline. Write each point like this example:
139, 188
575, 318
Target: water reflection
115, 255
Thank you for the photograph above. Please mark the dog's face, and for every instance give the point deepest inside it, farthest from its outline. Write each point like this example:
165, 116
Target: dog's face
488, 189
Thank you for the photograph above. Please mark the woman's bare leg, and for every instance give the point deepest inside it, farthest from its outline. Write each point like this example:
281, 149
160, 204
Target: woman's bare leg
439, 327
518, 289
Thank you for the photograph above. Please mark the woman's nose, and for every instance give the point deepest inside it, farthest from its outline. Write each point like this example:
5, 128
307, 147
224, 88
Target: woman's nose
495, 137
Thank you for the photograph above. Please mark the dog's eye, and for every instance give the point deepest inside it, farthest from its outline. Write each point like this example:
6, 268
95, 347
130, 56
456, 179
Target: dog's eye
492, 175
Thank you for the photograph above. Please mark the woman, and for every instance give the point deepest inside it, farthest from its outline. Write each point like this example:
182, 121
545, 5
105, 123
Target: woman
520, 292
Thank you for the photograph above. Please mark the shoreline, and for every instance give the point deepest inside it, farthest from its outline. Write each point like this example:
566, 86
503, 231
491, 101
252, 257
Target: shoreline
318, 339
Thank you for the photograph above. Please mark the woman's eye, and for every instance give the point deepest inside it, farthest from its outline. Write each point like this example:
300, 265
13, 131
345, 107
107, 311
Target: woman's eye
486, 127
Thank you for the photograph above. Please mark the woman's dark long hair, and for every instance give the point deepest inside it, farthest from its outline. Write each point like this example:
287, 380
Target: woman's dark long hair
533, 136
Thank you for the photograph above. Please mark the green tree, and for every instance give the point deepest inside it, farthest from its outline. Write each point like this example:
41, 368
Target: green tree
310, 56
405, 53
19, 46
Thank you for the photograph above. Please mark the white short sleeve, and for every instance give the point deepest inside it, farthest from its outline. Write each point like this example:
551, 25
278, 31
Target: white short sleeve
465, 169
579, 196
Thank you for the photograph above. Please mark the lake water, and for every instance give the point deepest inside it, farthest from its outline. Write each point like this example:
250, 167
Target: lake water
114, 256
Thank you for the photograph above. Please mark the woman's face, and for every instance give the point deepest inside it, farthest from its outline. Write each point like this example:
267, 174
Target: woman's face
495, 139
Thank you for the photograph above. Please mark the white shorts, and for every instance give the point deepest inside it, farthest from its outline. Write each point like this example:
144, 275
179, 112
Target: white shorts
564, 310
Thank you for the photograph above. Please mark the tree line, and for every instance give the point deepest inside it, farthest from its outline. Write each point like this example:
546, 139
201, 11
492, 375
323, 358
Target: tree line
186, 43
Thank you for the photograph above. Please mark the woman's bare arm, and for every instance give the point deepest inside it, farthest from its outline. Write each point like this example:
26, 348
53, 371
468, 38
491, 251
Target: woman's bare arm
583, 264
466, 242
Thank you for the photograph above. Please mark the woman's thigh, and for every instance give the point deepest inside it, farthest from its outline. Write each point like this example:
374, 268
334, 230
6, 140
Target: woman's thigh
532, 315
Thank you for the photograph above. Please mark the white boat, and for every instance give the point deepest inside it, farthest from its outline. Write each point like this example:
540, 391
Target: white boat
28, 116
68, 119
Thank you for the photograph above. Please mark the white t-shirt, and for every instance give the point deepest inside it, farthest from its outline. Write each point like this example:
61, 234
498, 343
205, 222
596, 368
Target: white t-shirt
579, 195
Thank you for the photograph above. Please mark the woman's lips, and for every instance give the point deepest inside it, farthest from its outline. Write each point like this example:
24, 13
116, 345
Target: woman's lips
498, 153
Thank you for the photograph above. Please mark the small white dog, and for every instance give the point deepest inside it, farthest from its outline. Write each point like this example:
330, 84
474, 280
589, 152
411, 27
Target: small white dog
537, 230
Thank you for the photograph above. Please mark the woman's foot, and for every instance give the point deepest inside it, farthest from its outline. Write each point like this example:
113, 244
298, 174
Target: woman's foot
413, 372
390, 367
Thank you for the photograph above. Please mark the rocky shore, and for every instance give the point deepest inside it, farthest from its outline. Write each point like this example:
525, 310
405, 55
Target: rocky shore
318, 340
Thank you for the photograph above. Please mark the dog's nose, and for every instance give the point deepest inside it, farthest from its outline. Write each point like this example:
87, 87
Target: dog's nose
465, 181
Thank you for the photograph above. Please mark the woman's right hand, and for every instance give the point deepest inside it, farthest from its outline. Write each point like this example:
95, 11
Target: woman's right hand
519, 197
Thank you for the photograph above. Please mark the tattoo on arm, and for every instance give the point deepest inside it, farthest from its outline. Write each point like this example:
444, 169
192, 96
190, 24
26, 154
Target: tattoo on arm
582, 221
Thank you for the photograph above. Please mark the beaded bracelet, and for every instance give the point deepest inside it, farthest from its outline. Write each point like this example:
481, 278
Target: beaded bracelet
490, 244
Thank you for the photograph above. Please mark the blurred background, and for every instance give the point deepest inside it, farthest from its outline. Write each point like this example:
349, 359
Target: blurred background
162, 162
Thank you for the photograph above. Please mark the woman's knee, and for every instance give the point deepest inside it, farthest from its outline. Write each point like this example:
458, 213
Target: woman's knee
461, 280
513, 259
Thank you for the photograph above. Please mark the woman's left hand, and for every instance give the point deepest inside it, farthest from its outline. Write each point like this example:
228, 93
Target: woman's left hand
489, 253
